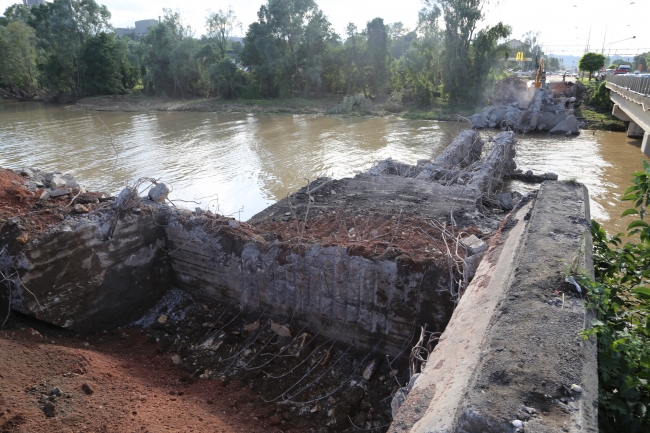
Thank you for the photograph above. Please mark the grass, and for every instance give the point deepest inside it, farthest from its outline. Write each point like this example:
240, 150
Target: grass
439, 110
600, 121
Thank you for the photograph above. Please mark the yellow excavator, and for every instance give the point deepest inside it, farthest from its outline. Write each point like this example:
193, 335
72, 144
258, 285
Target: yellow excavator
540, 78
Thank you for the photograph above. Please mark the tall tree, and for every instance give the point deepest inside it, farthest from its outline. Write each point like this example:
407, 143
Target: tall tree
100, 61
378, 57
62, 28
465, 65
18, 70
220, 26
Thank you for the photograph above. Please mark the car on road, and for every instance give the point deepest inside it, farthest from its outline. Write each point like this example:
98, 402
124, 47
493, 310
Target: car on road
623, 69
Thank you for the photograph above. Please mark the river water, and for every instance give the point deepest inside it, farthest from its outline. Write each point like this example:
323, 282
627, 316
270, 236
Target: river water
242, 163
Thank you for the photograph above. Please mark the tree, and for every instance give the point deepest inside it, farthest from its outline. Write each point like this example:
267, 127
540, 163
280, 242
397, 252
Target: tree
18, 70
219, 26
591, 62
467, 62
378, 57
101, 64
62, 28
228, 81
641, 62
554, 62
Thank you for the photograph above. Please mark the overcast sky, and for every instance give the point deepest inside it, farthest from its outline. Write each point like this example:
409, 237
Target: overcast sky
564, 24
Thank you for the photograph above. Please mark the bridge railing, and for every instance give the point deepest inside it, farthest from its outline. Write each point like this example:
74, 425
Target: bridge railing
639, 85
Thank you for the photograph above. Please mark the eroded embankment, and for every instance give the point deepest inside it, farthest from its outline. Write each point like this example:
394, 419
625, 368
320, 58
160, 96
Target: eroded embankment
303, 301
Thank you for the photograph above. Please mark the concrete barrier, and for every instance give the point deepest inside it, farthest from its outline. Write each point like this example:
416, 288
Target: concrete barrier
511, 358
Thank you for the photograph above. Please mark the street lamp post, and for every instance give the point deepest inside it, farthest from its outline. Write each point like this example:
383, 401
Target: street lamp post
616, 42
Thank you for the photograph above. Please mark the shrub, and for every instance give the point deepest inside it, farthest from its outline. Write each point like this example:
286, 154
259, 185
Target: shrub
394, 103
351, 104
619, 297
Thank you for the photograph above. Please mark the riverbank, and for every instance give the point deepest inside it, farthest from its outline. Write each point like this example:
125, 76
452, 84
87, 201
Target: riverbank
141, 103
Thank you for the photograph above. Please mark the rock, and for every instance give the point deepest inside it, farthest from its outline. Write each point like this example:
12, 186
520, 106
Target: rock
127, 198
504, 200
233, 224
176, 359
13, 221
87, 389
49, 409
57, 182
162, 319
398, 400
281, 330
252, 326
474, 245
159, 193
576, 388
479, 121
56, 391
79, 208
517, 424
45, 196
569, 126
23, 238
370, 369
26, 172
59, 192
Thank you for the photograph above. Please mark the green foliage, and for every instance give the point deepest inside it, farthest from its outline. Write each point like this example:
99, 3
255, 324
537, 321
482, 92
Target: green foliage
600, 98
291, 50
220, 26
469, 59
228, 81
18, 69
394, 103
100, 60
620, 298
377, 57
591, 62
353, 104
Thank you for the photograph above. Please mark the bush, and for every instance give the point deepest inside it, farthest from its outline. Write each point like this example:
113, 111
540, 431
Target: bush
600, 98
352, 104
228, 81
619, 297
394, 103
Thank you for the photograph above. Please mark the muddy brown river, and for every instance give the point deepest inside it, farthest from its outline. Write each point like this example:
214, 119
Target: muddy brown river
238, 164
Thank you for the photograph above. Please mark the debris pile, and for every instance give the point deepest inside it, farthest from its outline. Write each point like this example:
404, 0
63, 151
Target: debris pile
546, 111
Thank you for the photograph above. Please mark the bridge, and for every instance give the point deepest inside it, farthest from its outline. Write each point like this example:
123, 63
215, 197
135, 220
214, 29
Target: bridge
631, 97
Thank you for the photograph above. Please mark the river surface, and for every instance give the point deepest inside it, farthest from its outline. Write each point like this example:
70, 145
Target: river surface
239, 164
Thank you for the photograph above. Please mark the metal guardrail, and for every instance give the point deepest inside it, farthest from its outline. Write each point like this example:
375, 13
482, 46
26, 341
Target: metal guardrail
640, 85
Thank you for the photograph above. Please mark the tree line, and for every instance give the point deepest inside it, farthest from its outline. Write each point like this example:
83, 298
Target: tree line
67, 48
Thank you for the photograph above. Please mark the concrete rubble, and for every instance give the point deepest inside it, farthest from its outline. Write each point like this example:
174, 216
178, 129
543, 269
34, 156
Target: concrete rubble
544, 111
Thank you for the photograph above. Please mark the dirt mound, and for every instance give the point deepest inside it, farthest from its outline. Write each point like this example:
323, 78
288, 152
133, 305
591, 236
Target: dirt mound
33, 214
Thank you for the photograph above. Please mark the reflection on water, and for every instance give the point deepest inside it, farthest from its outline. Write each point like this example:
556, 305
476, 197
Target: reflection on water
245, 161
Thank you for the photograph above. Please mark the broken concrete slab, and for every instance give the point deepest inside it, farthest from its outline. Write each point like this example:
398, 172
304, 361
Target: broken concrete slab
519, 351
569, 126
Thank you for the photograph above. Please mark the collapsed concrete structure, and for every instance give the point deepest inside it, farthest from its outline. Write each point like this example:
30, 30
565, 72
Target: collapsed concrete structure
544, 111
360, 261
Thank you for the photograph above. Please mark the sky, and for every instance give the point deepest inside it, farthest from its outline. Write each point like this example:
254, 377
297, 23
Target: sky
564, 24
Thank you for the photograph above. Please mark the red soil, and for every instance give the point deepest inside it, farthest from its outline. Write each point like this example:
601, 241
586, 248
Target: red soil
135, 389
36, 215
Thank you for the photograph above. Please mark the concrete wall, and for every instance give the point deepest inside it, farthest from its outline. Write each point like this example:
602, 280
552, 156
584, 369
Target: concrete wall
85, 283
512, 350
363, 302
